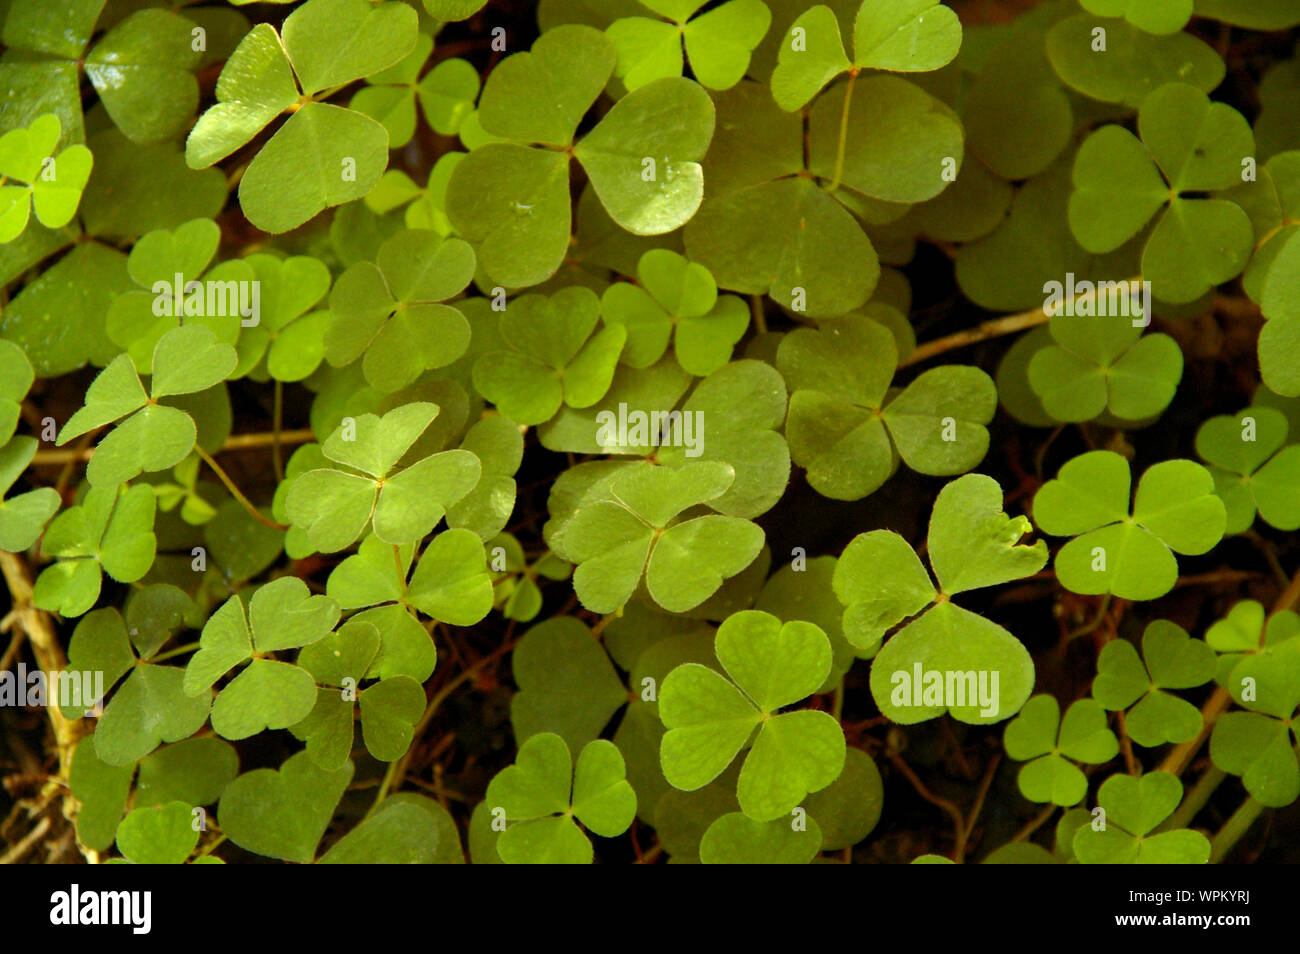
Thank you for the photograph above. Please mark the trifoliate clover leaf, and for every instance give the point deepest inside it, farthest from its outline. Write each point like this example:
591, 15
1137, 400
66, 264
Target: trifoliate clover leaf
149, 708
972, 544
512, 199
544, 792
768, 229
1105, 364
389, 96
52, 183
155, 436
1173, 661
335, 506
1251, 469
1160, 17
267, 694
718, 43
389, 708
737, 839
557, 356
323, 155
641, 526
142, 71
1126, 554
848, 431
567, 684
391, 312
22, 517
112, 529
1134, 807
678, 299
710, 718
282, 813
1120, 183
1261, 669
161, 835
452, 585
1039, 734
172, 266
288, 333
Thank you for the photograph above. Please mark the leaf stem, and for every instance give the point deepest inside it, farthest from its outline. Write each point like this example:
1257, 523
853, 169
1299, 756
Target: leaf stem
1195, 800
233, 443
1006, 325
958, 822
188, 647
844, 132
1234, 829
235, 491
276, 416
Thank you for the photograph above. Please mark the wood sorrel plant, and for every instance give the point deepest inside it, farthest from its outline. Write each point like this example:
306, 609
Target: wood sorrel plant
487, 420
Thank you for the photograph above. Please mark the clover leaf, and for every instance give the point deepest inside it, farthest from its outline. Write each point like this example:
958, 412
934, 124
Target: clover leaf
428, 206
389, 95
567, 684
710, 718
1263, 676
1280, 334
282, 813
110, 530
390, 314
544, 794
138, 319
1160, 17
737, 839
53, 183
767, 227
267, 693
641, 525
154, 436
22, 517
1251, 468
1039, 734
289, 334
1133, 808
323, 155
905, 36
946, 658
848, 431
1135, 62
511, 198
679, 299
1113, 550
159, 835
1120, 183
718, 43
389, 709
334, 505
556, 356
142, 70
1102, 364
1173, 661
149, 708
